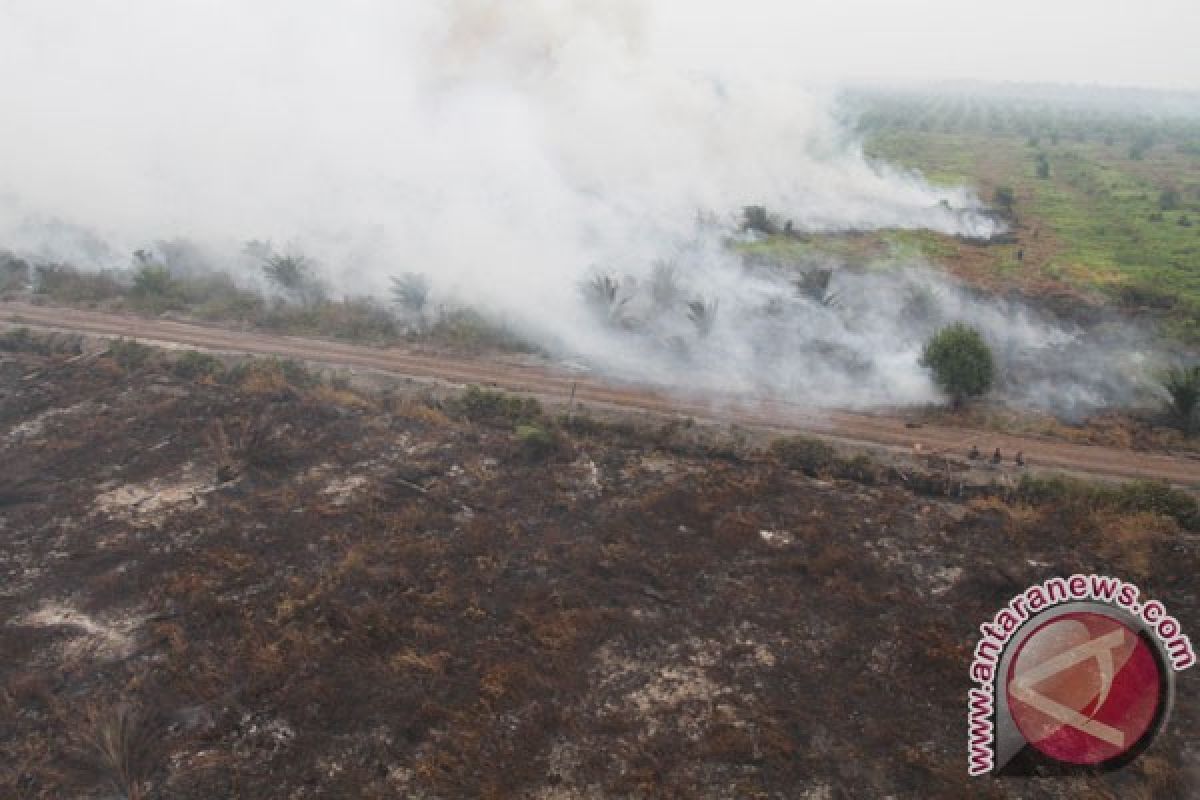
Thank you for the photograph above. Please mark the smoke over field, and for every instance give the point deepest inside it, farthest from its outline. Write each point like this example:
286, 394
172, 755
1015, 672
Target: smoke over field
561, 165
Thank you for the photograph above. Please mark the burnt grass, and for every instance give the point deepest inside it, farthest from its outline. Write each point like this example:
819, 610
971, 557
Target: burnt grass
392, 596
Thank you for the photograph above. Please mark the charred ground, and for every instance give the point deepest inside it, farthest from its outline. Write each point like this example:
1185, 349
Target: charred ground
413, 594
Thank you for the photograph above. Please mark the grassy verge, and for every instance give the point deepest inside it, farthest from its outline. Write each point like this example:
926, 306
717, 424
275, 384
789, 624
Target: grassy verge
1099, 220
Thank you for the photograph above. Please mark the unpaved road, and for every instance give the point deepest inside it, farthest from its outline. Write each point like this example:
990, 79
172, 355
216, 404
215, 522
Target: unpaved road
547, 382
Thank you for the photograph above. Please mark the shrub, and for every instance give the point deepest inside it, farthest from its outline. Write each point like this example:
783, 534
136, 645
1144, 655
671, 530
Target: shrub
194, 365
465, 329
22, 340
14, 272
1156, 497
68, 285
537, 442
1072, 494
152, 281
1004, 197
810, 456
18, 340
217, 296
498, 408
1183, 387
352, 319
271, 375
859, 468
130, 353
961, 362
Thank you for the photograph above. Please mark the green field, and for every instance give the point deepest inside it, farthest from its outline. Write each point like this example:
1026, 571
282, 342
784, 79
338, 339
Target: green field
1117, 214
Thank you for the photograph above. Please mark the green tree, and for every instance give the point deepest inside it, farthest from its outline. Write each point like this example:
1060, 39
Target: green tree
961, 362
1183, 387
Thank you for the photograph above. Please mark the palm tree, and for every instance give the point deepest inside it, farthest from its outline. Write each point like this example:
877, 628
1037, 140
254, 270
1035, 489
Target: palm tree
603, 293
664, 284
703, 314
411, 290
814, 285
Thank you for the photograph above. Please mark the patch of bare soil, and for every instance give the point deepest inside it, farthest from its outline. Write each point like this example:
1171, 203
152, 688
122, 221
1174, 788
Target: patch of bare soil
338, 594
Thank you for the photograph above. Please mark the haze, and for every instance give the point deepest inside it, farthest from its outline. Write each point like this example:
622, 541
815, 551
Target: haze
1097, 42
513, 151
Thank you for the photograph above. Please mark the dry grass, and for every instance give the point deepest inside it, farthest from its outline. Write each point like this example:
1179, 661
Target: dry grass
118, 745
623, 626
1135, 542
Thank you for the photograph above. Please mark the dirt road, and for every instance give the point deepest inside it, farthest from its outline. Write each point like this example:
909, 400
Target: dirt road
547, 382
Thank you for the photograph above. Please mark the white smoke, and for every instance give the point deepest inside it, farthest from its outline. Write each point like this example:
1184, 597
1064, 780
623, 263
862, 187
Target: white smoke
507, 149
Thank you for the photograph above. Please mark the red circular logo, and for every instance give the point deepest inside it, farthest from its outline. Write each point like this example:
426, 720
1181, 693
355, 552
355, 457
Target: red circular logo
1084, 688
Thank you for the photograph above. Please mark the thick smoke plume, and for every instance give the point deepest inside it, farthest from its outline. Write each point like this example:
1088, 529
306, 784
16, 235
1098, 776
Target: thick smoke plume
513, 152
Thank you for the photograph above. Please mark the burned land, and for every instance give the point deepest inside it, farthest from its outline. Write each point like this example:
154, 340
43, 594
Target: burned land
241, 578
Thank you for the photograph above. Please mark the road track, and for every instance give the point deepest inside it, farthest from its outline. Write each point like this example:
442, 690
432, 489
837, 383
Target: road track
873, 429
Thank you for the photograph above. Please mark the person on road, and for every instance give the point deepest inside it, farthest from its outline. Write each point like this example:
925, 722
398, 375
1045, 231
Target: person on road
997, 459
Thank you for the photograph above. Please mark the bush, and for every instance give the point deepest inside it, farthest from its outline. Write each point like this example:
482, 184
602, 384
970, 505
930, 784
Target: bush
810, 456
22, 340
272, 375
18, 340
68, 285
152, 281
1004, 197
1156, 497
961, 362
194, 365
498, 408
468, 330
130, 353
1183, 387
860, 468
1072, 494
537, 442
14, 272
